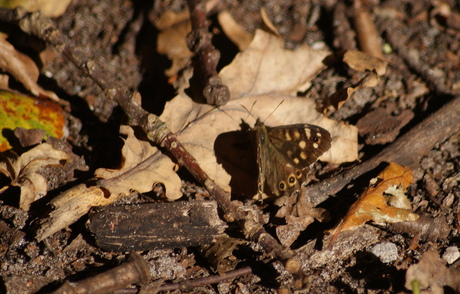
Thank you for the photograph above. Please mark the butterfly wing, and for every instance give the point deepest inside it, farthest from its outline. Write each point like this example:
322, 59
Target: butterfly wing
272, 166
301, 144
286, 152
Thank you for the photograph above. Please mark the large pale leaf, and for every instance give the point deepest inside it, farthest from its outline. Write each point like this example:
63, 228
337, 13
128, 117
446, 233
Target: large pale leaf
265, 67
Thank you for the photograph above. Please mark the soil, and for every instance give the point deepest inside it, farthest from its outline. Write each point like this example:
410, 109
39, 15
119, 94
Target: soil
422, 47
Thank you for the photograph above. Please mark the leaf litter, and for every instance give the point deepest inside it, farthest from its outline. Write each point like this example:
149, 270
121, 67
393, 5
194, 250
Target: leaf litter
276, 109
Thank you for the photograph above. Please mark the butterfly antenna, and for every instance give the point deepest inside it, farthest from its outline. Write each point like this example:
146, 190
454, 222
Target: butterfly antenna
274, 110
249, 111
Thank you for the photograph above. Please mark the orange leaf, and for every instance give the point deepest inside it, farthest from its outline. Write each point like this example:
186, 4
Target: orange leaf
373, 205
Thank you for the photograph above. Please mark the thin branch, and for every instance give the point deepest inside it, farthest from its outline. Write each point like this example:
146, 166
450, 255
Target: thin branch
188, 285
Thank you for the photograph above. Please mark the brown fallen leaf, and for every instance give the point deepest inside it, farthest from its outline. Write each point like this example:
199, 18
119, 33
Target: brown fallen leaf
364, 62
268, 23
220, 253
24, 171
368, 36
373, 205
171, 42
266, 67
142, 168
432, 276
23, 69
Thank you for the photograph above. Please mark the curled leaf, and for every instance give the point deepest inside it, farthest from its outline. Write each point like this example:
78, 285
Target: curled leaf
24, 171
373, 205
336, 100
234, 31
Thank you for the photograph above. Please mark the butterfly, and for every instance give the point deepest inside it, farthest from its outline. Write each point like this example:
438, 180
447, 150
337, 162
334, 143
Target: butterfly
285, 153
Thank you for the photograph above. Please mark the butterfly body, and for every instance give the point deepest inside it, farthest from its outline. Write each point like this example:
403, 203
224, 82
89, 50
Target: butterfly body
285, 153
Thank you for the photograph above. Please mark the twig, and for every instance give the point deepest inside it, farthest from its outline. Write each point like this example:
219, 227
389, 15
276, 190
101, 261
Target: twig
156, 131
206, 58
190, 284
135, 270
407, 150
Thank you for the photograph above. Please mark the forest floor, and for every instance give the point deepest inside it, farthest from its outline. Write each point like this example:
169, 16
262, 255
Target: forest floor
348, 236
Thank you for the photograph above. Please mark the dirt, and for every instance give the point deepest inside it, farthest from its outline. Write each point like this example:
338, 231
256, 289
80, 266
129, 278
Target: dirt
423, 49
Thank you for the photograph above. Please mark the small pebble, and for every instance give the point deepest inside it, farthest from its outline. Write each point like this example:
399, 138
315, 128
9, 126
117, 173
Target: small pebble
387, 251
451, 254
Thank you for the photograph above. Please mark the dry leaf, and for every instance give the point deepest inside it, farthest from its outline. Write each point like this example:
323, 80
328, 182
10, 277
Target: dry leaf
234, 31
265, 67
373, 205
368, 36
170, 18
24, 171
268, 23
174, 28
143, 166
432, 276
23, 69
363, 62
208, 132
33, 114
171, 42
220, 254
